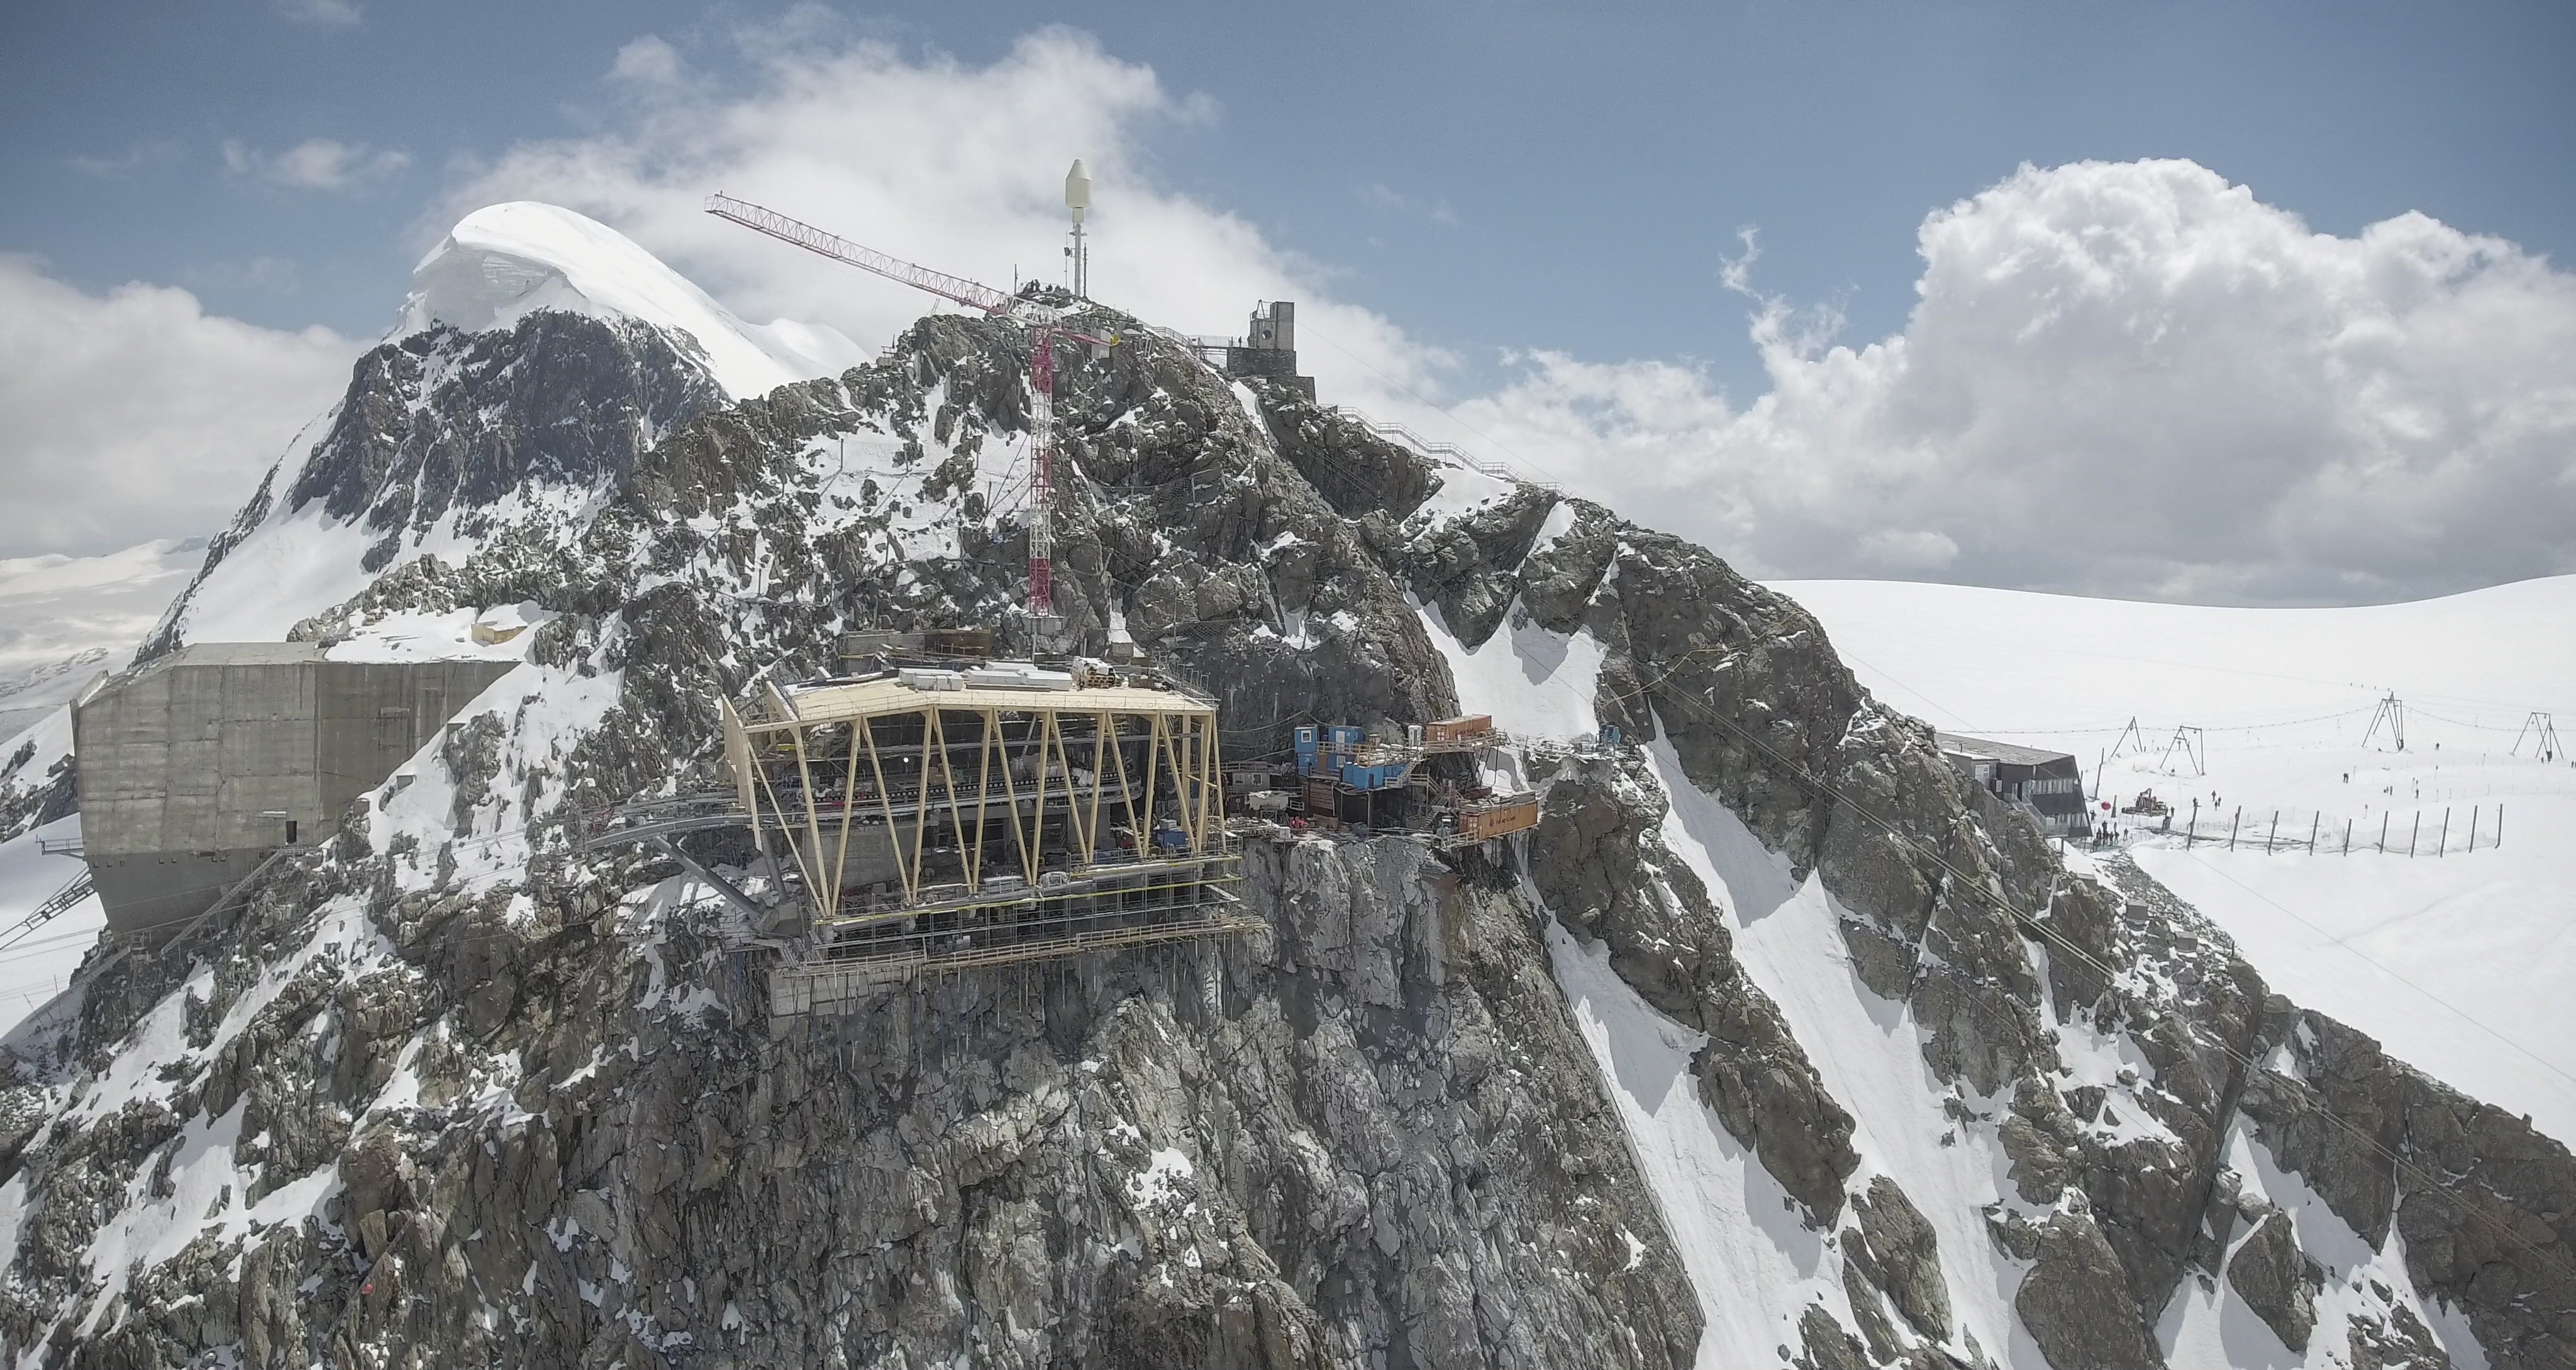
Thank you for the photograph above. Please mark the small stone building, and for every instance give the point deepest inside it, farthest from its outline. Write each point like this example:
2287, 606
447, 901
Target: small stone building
1269, 347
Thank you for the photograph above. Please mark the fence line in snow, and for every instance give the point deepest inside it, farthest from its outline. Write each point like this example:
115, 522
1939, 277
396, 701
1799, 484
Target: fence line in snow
2448, 831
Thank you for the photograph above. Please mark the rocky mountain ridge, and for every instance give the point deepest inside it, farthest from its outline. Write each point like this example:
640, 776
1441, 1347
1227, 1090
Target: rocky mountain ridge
455, 1091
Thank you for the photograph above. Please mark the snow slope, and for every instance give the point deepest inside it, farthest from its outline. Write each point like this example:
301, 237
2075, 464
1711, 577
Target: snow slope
64, 619
1754, 1270
2458, 962
34, 971
505, 261
498, 265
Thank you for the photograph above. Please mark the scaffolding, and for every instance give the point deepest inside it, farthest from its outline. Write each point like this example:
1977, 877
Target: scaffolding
1338, 761
947, 820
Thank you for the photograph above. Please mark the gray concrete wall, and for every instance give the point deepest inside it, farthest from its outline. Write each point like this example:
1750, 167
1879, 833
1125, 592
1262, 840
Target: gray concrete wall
372, 717
184, 762
146, 890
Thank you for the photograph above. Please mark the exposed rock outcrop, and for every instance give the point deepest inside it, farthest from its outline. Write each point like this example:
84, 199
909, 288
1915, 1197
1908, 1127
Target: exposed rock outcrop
2277, 1280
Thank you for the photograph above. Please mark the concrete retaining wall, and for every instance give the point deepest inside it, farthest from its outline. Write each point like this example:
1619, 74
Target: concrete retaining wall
196, 765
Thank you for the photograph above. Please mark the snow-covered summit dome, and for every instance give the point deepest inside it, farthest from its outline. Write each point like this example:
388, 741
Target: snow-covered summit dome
505, 261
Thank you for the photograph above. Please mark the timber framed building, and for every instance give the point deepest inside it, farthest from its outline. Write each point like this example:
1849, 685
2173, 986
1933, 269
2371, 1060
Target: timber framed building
948, 819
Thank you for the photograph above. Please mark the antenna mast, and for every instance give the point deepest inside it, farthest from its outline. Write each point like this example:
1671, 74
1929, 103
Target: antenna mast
1045, 325
1077, 197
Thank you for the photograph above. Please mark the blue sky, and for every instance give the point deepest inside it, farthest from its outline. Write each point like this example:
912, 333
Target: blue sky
2222, 302
1490, 174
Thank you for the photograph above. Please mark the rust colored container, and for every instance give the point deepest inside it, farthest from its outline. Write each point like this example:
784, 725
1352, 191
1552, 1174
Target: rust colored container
1458, 729
1497, 818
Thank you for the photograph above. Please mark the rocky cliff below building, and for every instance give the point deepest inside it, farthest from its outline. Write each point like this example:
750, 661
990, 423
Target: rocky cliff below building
1775, 1044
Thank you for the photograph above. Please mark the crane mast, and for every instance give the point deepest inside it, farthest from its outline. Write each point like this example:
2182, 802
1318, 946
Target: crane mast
1045, 325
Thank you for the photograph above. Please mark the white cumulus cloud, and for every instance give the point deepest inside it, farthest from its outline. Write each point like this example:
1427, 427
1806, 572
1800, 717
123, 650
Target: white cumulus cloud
334, 14
649, 59
2131, 379
956, 166
136, 415
317, 164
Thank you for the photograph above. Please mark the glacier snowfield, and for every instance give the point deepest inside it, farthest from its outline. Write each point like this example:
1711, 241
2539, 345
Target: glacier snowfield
2460, 964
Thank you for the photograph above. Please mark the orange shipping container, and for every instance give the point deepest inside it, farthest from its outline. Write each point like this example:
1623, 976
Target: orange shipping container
1515, 813
1458, 729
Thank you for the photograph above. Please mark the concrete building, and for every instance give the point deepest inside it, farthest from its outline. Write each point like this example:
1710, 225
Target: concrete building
1269, 347
194, 767
2047, 784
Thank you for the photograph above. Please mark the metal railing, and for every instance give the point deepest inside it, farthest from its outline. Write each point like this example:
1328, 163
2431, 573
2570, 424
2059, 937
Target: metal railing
1448, 451
2449, 831
61, 901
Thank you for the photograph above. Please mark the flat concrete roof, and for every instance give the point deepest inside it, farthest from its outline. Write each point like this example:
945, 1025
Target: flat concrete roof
889, 695
243, 654
2008, 753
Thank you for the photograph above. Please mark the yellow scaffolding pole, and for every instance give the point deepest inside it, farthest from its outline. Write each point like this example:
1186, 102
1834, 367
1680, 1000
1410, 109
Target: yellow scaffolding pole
1100, 730
885, 804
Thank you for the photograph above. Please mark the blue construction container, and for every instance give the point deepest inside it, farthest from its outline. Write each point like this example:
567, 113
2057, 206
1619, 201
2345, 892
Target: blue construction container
1385, 776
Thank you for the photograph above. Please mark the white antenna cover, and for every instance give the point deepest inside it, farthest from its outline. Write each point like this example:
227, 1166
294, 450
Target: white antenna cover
1077, 190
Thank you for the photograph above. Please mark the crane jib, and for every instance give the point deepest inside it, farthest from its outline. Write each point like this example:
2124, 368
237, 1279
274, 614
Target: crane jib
972, 294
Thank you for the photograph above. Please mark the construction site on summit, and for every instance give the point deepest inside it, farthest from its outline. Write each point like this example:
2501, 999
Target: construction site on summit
951, 799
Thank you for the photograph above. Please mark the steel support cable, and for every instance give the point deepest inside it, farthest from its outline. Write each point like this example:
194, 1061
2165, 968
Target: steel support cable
2390, 972
2034, 924
2124, 723
2421, 712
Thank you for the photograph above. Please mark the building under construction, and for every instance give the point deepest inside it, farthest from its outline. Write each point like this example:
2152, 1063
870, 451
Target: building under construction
1344, 776
946, 817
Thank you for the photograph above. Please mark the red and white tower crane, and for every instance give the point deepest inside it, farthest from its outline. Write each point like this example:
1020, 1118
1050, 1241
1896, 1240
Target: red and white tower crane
1045, 323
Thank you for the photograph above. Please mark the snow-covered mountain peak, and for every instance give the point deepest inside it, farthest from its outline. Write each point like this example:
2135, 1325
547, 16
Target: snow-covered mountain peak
503, 262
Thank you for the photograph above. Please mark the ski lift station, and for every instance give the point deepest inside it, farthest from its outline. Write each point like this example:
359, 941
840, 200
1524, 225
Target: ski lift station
2049, 786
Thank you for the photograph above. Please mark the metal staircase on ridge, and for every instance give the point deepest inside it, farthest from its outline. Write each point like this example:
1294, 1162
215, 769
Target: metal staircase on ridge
1446, 451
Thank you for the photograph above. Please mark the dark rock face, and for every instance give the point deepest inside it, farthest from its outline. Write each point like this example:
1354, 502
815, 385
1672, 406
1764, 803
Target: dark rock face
1600, 861
29, 801
1357, 472
1898, 1252
2076, 1301
442, 424
443, 420
2277, 1281
2486, 1205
